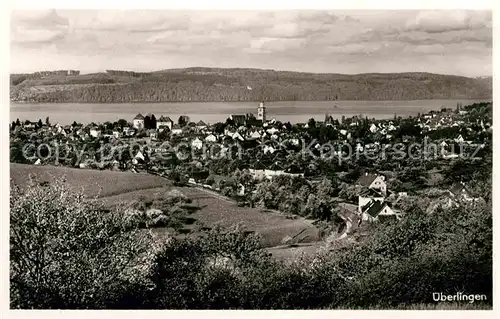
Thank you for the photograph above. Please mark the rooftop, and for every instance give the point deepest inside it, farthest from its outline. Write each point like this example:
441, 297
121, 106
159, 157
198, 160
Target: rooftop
366, 179
164, 119
370, 192
373, 208
459, 188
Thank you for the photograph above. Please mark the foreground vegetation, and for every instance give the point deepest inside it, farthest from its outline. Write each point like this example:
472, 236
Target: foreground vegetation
147, 198
67, 253
213, 84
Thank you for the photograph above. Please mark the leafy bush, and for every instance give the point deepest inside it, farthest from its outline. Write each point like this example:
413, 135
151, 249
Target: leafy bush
67, 253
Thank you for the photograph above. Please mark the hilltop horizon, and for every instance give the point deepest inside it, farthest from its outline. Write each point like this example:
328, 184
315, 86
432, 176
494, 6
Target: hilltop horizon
197, 67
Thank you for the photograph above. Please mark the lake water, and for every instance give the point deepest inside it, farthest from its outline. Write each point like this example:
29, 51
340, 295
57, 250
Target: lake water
212, 112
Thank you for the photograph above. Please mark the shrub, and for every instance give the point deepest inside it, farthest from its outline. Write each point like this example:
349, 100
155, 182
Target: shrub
159, 221
66, 252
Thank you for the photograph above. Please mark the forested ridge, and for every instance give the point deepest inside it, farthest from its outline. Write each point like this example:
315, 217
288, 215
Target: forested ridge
215, 84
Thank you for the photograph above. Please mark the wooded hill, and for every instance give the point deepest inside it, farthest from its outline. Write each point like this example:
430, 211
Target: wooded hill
216, 84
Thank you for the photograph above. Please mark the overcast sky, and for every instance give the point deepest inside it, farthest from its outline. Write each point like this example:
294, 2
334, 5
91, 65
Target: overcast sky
448, 42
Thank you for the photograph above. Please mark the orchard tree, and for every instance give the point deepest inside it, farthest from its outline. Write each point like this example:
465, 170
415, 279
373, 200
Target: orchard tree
66, 252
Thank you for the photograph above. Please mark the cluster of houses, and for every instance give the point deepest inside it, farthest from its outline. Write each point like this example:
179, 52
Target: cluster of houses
374, 203
374, 200
200, 134
248, 127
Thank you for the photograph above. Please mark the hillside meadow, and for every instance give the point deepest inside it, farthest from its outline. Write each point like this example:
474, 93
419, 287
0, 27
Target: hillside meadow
205, 211
93, 183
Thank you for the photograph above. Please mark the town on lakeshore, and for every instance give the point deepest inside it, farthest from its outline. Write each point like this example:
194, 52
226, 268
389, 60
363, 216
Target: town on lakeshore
268, 148
251, 159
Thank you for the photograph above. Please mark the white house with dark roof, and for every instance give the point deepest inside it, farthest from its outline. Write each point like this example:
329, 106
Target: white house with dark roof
138, 121
237, 136
211, 138
373, 181
138, 158
197, 143
376, 209
368, 195
272, 130
255, 134
201, 125
164, 121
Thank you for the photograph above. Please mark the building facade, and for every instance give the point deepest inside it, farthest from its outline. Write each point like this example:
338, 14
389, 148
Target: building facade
138, 121
261, 112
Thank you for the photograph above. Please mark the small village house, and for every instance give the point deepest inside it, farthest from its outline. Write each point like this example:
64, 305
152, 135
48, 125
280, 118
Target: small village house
138, 121
197, 143
163, 122
176, 129
211, 138
95, 133
374, 210
128, 131
201, 125
373, 181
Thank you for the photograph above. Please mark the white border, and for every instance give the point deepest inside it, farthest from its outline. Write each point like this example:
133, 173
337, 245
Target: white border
222, 5
256, 4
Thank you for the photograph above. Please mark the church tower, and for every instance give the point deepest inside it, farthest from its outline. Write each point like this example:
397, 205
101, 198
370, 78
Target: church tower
261, 112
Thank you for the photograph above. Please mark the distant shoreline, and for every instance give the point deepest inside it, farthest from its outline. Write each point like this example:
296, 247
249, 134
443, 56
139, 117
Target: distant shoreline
257, 101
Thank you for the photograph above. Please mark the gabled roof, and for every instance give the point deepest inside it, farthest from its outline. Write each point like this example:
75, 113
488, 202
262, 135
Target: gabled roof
373, 208
164, 119
139, 155
458, 189
201, 123
139, 117
367, 179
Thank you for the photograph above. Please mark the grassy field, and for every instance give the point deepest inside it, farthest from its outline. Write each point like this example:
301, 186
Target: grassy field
272, 226
119, 187
92, 182
146, 194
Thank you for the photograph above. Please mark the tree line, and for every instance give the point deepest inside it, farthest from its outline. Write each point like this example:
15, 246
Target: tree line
230, 85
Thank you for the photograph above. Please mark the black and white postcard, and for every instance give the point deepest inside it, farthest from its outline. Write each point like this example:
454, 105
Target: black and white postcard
251, 159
